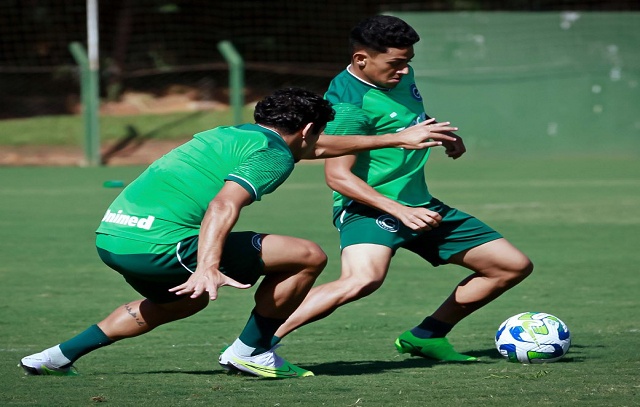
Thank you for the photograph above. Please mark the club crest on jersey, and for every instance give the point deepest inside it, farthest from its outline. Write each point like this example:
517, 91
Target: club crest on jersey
388, 223
415, 92
256, 241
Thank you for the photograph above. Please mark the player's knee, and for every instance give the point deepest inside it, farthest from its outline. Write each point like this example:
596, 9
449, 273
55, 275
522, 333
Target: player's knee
527, 269
315, 258
518, 270
524, 268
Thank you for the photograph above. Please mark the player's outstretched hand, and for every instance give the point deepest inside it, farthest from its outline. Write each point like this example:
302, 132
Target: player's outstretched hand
426, 134
206, 281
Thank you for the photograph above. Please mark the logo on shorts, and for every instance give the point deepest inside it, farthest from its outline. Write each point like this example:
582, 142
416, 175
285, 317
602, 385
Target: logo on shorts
415, 92
388, 223
256, 241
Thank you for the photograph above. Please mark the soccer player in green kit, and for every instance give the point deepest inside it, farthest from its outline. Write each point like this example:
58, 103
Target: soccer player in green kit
382, 203
169, 233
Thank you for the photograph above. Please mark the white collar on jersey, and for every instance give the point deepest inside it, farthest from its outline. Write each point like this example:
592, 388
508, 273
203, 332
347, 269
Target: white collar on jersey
363, 81
269, 128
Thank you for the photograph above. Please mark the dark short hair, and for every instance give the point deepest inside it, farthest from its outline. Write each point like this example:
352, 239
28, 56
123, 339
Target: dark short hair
289, 110
380, 33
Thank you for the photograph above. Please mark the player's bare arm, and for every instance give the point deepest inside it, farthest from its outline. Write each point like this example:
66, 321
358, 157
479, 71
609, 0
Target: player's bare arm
220, 217
340, 178
423, 135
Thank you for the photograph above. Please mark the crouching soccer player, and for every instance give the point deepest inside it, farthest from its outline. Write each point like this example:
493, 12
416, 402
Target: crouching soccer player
169, 232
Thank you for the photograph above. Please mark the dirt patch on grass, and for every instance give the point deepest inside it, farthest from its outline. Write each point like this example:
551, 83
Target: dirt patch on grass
127, 151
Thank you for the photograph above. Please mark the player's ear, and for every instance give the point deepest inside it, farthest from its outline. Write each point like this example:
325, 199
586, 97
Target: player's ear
360, 59
306, 130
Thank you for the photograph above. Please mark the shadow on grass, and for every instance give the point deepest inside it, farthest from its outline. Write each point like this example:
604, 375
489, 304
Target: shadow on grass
485, 354
354, 368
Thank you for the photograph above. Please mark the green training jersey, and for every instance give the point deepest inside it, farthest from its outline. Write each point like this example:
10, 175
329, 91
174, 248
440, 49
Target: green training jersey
167, 202
362, 108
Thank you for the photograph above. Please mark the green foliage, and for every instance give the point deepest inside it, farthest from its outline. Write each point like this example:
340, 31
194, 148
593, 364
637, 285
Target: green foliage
577, 219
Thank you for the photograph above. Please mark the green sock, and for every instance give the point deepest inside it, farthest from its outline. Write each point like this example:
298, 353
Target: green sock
91, 339
258, 332
275, 340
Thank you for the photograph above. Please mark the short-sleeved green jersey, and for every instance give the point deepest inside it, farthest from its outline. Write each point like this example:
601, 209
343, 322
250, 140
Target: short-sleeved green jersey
362, 108
167, 202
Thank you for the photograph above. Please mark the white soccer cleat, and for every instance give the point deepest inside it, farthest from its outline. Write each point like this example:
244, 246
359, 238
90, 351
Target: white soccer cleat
267, 364
40, 364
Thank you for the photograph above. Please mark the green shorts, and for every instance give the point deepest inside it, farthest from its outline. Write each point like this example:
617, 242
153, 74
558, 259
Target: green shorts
152, 273
456, 233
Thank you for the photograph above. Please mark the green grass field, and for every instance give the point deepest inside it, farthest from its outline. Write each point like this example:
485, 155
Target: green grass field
577, 218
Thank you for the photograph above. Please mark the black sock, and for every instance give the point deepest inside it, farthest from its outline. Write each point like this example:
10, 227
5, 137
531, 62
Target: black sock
431, 328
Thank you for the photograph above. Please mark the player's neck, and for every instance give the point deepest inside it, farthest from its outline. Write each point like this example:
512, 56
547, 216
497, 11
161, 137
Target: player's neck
292, 140
269, 128
353, 72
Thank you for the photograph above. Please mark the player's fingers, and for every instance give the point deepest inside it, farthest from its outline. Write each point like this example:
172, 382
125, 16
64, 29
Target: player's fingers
434, 135
420, 223
444, 129
428, 223
428, 144
440, 126
414, 226
176, 288
233, 283
180, 289
423, 125
197, 291
417, 224
213, 293
422, 226
430, 217
436, 217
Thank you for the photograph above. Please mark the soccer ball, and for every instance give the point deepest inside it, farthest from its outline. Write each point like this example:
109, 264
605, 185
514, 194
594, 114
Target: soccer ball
533, 337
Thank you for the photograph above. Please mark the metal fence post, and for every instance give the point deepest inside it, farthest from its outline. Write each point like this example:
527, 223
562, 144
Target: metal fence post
236, 78
90, 104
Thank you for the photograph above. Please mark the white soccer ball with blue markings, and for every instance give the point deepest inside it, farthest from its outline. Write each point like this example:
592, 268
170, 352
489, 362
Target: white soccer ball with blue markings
533, 337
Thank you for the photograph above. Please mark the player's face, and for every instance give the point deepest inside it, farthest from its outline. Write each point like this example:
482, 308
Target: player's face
387, 69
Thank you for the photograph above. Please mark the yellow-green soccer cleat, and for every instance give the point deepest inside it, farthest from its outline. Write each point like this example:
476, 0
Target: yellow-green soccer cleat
39, 364
432, 348
268, 365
